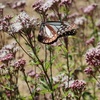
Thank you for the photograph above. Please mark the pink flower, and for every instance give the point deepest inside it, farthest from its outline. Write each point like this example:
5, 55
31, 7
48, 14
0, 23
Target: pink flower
31, 73
22, 21
90, 41
88, 70
93, 57
80, 20
46, 5
20, 64
78, 85
40, 6
89, 9
73, 15
19, 5
37, 5
4, 23
10, 47
7, 58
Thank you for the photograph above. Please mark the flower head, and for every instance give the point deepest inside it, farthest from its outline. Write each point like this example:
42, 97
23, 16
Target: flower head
46, 5
80, 20
4, 23
37, 5
15, 27
88, 70
41, 7
32, 74
78, 85
93, 57
89, 9
20, 63
10, 48
7, 58
90, 41
60, 78
73, 15
21, 22
19, 4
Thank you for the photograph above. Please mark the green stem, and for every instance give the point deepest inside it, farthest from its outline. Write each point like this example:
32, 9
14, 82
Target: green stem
27, 84
51, 74
34, 51
66, 45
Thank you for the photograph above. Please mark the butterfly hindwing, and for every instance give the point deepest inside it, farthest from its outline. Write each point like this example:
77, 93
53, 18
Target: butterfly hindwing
50, 31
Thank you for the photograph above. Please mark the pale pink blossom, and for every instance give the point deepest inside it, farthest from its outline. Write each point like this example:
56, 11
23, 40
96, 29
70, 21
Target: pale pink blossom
88, 70
90, 41
89, 9
80, 20
78, 85
93, 57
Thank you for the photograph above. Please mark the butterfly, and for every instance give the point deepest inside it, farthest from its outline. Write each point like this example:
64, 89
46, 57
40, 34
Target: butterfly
50, 31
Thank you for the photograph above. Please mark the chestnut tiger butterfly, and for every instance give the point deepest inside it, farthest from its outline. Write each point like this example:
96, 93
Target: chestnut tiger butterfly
50, 31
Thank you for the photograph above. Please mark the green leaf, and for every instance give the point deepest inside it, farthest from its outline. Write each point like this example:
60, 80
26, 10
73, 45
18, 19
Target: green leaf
87, 96
44, 84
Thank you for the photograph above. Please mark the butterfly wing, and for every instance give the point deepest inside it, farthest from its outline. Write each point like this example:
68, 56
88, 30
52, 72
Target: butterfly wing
47, 34
52, 30
63, 28
67, 29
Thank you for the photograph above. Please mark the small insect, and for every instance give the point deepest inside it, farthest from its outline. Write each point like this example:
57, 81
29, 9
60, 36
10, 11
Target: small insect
50, 31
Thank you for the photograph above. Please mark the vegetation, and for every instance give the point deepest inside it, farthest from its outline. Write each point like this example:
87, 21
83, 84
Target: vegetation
68, 69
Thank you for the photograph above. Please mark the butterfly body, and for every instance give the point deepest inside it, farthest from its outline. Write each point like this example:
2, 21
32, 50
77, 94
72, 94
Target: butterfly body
52, 30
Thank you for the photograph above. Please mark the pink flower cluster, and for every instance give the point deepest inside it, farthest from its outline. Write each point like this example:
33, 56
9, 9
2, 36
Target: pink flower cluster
93, 57
37, 5
4, 23
89, 9
88, 70
40, 6
73, 15
7, 57
80, 20
90, 41
32, 74
78, 85
20, 63
22, 21
8, 52
19, 4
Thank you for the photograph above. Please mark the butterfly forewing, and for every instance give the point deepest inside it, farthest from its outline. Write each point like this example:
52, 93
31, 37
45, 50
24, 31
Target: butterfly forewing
47, 32
50, 31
